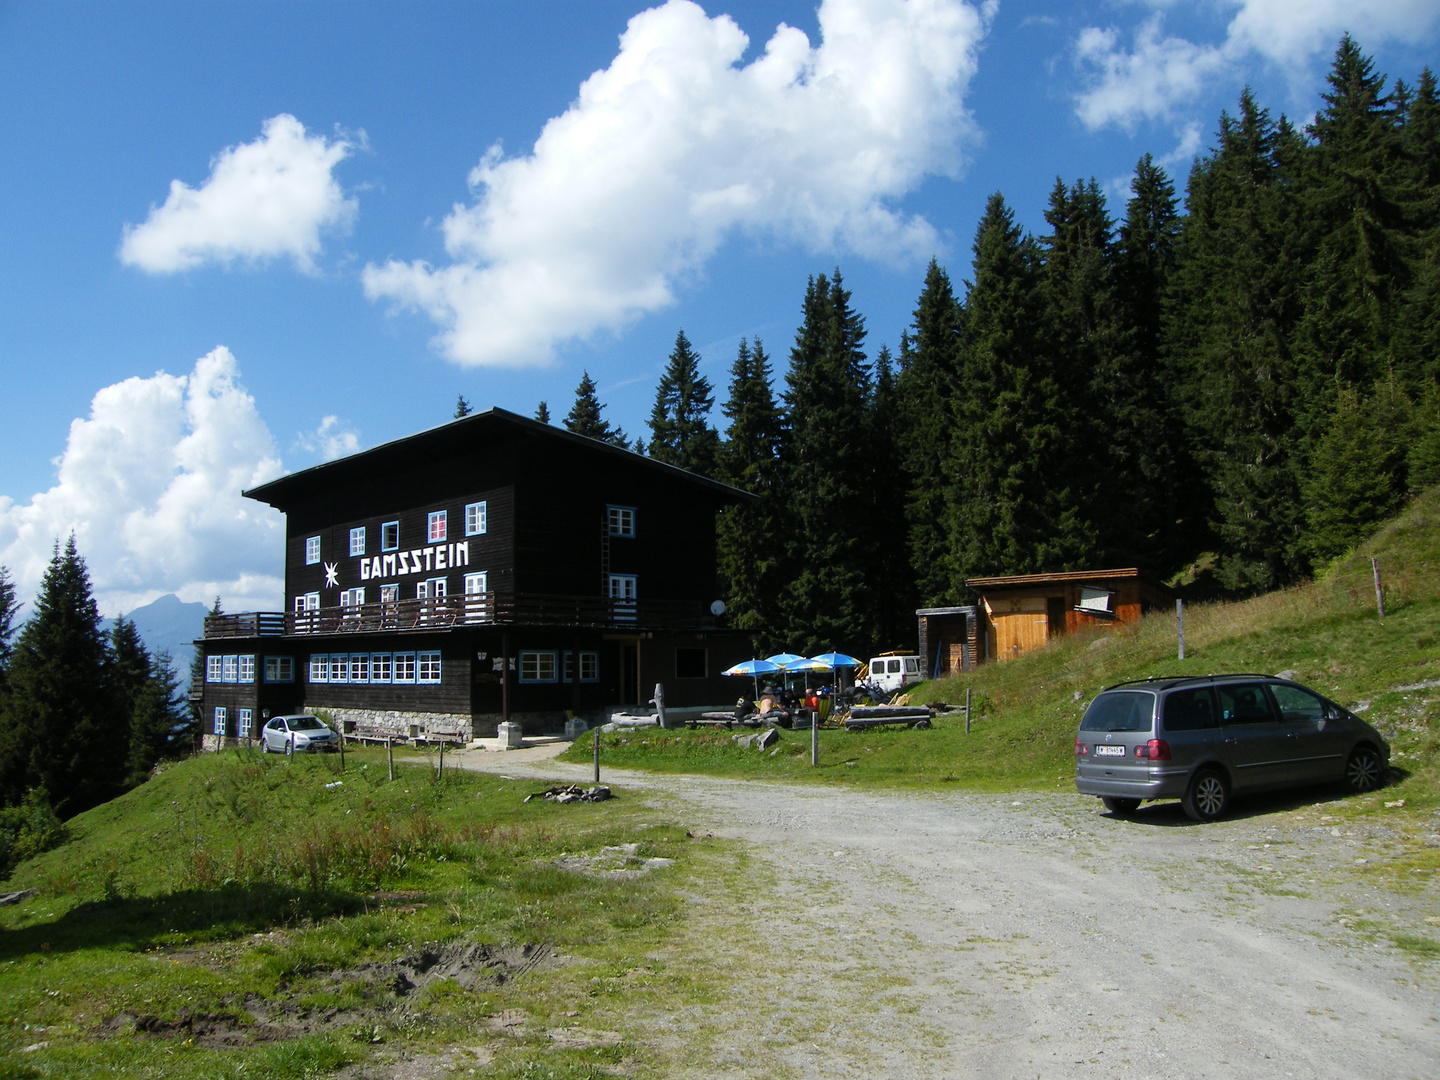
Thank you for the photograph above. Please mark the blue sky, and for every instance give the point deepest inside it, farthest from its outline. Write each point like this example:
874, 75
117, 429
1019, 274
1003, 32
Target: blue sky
322, 221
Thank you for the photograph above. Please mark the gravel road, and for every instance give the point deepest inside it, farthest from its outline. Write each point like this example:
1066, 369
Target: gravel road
1030, 935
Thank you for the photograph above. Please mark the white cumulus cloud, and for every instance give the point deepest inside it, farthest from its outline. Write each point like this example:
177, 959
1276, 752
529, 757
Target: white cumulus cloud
150, 485
266, 199
331, 440
1157, 77
676, 146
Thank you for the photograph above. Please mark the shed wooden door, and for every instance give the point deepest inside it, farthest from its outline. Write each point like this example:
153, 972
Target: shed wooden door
1018, 633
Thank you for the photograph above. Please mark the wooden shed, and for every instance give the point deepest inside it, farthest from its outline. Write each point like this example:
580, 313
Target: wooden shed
1023, 611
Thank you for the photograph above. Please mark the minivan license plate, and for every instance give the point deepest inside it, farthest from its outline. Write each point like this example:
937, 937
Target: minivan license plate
1109, 751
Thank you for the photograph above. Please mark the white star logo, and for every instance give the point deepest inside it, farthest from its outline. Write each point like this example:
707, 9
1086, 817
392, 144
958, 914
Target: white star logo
332, 575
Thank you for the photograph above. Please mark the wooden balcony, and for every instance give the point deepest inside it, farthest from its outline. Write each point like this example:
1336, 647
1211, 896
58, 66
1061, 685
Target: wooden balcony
472, 609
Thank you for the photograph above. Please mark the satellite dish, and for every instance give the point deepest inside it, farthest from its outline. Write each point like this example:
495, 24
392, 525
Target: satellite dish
717, 608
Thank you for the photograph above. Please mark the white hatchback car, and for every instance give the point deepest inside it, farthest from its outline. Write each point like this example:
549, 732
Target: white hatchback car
305, 734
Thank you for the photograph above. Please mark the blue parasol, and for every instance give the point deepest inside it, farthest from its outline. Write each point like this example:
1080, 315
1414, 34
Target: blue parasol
837, 659
755, 668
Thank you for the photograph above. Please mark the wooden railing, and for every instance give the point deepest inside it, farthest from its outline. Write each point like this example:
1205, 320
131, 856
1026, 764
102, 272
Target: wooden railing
247, 624
471, 609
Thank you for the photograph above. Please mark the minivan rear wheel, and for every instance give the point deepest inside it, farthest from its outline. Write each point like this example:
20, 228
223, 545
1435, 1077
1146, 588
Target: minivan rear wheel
1207, 796
1364, 771
1120, 806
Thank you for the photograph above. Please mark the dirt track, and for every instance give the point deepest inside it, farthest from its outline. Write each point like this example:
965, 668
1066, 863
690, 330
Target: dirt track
1031, 936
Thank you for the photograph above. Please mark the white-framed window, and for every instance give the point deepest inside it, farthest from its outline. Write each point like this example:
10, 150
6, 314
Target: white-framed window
537, 667
475, 519
435, 527
312, 550
220, 718
589, 667
476, 600
231, 669
319, 668
247, 669
352, 597
242, 719
404, 667
279, 669
389, 594
359, 667
309, 601
428, 667
380, 667
621, 520
390, 536
437, 588
357, 541
213, 668
476, 583
622, 590
339, 667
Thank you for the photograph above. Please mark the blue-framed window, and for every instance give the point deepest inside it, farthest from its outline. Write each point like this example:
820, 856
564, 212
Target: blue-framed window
476, 519
620, 520
279, 669
390, 536
538, 666
312, 550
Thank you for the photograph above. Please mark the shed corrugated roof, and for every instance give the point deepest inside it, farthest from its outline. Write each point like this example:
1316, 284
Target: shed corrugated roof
1064, 576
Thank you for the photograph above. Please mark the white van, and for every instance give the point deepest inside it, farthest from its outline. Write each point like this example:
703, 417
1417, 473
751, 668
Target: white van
892, 673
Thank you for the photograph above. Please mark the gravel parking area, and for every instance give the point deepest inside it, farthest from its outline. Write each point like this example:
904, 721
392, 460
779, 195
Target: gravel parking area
1031, 935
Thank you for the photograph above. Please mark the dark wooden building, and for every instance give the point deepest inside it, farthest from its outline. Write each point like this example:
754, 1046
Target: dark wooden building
492, 568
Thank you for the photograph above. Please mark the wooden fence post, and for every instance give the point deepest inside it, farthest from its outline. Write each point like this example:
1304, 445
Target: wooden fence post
390, 757
1180, 626
967, 710
596, 742
1379, 592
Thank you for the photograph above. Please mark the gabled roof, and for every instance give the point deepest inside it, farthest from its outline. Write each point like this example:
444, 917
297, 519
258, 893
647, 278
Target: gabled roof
458, 435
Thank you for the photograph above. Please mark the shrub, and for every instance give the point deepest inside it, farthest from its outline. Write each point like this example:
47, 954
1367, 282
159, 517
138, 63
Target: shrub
27, 830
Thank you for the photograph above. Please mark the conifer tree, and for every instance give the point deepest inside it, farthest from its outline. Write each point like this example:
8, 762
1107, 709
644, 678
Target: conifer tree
749, 537
1009, 518
1359, 217
9, 608
680, 431
926, 392
61, 730
1080, 350
584, 417
130, 668
1356, 476
829, 599
1152, 504
1417, 322
892, 584
158, 727
462, 407
543, 413
1237, 306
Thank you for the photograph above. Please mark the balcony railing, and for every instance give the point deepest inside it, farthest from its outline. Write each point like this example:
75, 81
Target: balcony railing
471, 609
247, 624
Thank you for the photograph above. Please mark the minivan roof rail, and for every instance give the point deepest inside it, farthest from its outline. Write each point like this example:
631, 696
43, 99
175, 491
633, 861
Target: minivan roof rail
1195, 678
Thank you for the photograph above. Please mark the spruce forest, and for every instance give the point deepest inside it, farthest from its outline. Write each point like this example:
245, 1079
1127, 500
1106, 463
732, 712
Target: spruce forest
1227, 393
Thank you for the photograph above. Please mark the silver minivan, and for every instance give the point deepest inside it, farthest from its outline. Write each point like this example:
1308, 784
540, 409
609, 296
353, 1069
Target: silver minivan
1203, 739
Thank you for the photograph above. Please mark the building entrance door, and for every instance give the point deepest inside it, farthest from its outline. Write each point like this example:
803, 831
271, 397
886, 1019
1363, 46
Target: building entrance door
629, 674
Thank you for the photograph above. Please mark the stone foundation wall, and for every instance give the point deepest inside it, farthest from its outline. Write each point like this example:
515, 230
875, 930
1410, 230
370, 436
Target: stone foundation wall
399, 725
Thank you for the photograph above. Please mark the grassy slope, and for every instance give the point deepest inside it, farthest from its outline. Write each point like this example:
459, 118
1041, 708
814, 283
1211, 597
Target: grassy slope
1027, 709
231, 884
